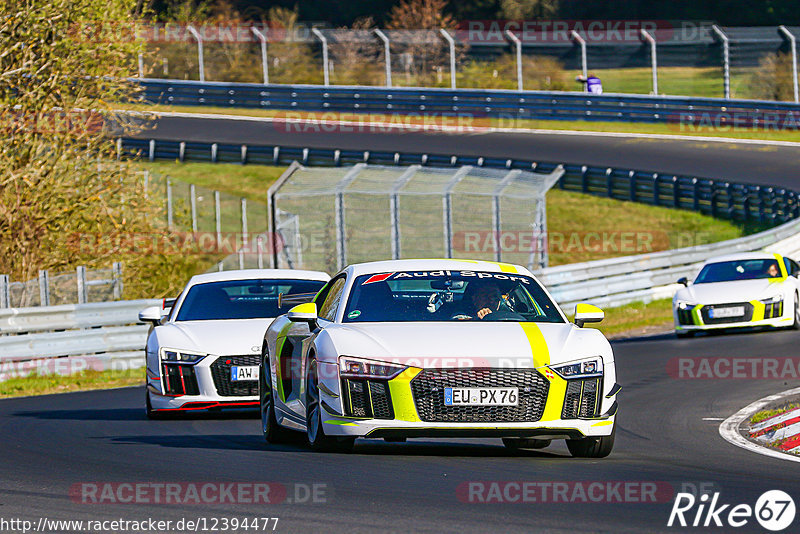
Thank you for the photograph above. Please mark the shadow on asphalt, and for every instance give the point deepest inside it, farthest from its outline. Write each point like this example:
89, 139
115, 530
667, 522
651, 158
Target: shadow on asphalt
362, 447
130, 414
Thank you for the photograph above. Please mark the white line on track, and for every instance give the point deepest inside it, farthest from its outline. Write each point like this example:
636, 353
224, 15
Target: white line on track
314, 119
729, 429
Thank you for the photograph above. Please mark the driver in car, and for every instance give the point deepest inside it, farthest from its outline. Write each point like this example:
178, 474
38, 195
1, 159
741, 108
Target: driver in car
772, 270
485, 299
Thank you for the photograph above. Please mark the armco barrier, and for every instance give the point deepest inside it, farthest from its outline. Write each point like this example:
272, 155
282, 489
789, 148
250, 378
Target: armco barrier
719, 198
476, 103
69, 338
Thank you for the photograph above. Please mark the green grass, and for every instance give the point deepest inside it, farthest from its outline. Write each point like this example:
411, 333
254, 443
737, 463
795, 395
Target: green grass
84, 381
766, 414
249, 181
637, 317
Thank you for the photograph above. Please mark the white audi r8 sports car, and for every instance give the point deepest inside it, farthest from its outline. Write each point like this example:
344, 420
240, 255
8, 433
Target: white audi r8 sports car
204, 352
438, 348
740, 290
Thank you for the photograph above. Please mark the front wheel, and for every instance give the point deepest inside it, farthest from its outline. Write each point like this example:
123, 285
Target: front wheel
796, 322
684, 333
525, 443
273, 432
592, 447
315, 433
148, 407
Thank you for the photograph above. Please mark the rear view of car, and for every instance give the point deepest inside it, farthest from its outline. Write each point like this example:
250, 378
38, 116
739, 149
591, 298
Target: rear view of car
205, 353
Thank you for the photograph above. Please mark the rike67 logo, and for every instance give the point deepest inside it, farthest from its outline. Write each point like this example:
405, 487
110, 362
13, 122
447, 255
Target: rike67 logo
774, 510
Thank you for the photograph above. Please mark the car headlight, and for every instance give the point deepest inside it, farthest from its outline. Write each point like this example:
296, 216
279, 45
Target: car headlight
776, 298
350, 367
581, 369
684, 304
180, 356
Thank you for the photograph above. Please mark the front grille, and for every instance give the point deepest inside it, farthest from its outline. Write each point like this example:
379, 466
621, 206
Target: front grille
428, 390
180, 379
582, 398
685, 316
221, 373
748, 313
367, 398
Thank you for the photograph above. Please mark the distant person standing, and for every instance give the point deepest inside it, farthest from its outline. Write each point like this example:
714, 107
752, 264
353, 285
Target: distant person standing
592, 84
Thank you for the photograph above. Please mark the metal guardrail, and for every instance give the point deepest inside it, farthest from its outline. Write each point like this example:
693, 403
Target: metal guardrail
71, 338
475, 103
718, 198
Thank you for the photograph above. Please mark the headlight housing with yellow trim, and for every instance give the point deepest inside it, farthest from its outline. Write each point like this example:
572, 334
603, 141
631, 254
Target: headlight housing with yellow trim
351, 367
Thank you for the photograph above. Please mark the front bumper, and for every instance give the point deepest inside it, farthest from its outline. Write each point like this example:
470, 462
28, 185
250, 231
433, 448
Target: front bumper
409, 413
757, 314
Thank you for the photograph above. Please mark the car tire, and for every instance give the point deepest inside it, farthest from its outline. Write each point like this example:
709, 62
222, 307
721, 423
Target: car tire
592, 447
315, 433
684, 334
796, 321
148, 407
273, 432
525, 443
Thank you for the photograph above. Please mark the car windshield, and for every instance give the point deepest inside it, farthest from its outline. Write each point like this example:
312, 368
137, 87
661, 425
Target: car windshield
730, 271
448, 296
240, 299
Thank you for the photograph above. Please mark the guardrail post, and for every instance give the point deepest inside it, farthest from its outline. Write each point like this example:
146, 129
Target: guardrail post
610, 182
793, 44
582, 42
729, 192
655, 189
264, 61
81, 282
116, 269
217, 220
5, 291
387, 55
518, 45
452, 44
696, 194
200, 58
44, 288
653, 61
726, 59
169, 204
325, 67
676, 192
193, 206
632, 186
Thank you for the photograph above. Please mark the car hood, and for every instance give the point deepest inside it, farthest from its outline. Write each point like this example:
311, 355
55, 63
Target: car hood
469, 344
228, 337
722, 292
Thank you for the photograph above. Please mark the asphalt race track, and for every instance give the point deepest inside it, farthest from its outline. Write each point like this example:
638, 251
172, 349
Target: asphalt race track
52, 443
750, 163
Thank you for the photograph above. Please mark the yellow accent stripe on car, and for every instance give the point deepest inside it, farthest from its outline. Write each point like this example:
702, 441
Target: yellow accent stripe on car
603, 423
555, 397
340, 423
402, 399
758, 310
539, 350
697, 318
782, 267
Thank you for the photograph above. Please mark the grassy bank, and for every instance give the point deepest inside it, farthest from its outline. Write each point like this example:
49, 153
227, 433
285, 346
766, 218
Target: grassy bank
84, 381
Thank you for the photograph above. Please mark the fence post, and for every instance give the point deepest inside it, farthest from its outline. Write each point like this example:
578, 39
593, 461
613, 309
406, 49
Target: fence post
169, 204
653, 61
141, 66
447, 208
81, 278
726, 59
116, 268
264, 63
582, 42
217, 220
793, 44
260, 246
44, 288
387, 55
325, 66
5, 291
200, 58
193, 204
518, 45
452, 43
394, 208
341, 235
245, 237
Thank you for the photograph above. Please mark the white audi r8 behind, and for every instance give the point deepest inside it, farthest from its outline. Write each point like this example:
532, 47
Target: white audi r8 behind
752, 289
438, 348
204, 354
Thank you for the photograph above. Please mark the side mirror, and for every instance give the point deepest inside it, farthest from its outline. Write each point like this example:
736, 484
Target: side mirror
151, 314
683, 280
586, 313
304, 313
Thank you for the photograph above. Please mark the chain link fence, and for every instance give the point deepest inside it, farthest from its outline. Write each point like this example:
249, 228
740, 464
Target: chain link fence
681, 58
51, 289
